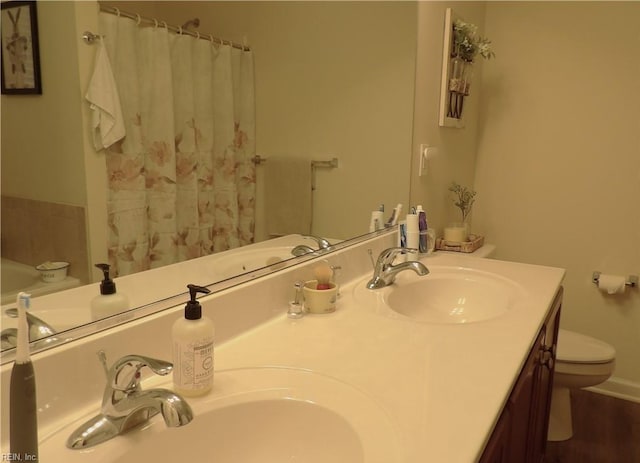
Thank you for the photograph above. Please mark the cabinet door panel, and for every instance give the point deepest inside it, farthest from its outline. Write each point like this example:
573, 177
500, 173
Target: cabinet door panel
520, 436
497, 449
521, 404
544, 383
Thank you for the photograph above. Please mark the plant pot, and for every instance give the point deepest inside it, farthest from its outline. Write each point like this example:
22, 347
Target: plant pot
457, 232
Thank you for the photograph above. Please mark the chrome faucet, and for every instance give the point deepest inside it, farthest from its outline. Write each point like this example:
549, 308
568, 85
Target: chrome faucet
302, 249
38, 329
321, 242
385, 272
125, 405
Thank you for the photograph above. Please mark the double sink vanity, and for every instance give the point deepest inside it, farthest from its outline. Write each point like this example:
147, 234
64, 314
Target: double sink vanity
453, 366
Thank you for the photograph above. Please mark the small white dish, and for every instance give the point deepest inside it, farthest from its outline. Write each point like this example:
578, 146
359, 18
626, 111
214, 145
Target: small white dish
53, 272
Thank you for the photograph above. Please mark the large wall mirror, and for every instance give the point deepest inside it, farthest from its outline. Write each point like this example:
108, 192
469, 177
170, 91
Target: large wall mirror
333, 80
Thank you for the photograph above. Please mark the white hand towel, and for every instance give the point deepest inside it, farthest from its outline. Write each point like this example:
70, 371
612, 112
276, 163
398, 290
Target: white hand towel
107, 120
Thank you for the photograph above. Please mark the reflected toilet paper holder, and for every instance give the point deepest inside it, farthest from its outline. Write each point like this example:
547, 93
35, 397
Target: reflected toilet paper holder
632, 280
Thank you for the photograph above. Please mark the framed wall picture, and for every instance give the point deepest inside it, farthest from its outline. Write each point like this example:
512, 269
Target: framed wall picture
20, 52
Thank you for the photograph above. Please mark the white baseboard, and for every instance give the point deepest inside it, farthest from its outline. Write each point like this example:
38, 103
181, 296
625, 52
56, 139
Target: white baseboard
619, 388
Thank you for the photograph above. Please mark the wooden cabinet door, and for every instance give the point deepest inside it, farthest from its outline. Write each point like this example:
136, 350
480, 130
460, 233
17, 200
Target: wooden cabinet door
520, 436
521, 405
497, 449
544, 385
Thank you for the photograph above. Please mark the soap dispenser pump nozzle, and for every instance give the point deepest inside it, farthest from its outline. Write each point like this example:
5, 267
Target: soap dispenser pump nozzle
193, 309
107, 285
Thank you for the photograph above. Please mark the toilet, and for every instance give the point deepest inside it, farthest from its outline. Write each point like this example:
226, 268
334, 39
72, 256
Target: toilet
581, 361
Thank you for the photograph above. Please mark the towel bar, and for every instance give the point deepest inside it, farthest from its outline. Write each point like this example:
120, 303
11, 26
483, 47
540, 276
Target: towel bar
257, 160
332, 164
89, 37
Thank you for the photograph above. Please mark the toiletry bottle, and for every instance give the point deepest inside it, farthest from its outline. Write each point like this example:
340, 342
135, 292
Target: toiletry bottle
377, 219
394, 215
23, 422
422, 226
193, 349
413, 232
109, 302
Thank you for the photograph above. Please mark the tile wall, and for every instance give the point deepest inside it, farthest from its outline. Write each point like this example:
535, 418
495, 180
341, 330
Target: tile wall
37, 231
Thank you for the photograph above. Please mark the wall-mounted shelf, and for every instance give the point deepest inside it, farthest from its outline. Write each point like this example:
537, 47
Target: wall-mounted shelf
451, 95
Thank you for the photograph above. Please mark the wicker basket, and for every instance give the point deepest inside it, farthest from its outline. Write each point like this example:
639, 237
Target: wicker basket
475, 242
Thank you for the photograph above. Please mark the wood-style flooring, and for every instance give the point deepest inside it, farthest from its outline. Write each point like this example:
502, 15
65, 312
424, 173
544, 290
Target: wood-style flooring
605, 430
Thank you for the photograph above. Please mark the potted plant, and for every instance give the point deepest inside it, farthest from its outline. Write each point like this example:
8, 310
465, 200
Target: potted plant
467, 44
463, 199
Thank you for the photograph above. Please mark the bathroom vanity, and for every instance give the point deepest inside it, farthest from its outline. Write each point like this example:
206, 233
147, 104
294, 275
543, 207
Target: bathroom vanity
454, 367
521, 431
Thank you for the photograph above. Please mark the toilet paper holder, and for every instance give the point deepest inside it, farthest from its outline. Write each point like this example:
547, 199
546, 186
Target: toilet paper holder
632, 280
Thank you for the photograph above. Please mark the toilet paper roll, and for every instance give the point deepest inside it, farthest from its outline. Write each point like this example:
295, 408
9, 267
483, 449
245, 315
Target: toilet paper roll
612, 284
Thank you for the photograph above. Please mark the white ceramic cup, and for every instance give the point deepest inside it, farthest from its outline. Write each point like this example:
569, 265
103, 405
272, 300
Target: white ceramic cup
319, 300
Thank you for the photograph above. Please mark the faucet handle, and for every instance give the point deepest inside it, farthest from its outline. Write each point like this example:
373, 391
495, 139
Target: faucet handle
102, 356
321, 242
387, 256
124, 374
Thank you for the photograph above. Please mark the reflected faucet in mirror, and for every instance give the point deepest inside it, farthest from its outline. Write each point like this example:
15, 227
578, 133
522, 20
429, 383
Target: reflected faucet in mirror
38, 329
323, 246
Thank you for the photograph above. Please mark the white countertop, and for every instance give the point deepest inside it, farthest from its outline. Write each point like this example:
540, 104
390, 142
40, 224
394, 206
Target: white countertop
442, 385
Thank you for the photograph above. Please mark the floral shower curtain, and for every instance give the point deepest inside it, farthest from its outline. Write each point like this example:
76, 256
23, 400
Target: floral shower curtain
182, 181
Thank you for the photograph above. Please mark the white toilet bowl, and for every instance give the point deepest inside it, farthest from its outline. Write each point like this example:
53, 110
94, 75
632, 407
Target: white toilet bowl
581, 361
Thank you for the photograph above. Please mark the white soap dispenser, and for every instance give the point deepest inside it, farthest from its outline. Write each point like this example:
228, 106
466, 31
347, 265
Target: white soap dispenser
193, 349
109, 302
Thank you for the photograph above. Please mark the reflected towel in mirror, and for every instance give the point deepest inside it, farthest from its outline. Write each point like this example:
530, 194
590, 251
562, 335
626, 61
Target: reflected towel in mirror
107, 121
288, 200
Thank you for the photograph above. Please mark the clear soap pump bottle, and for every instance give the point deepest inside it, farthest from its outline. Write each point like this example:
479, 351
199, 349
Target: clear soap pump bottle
193, 348
108, 302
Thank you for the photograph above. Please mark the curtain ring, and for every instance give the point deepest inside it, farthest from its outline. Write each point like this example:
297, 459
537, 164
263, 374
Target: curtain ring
211, 38
179, 30
197, 34
138, 19
164, 23
155, 22
117, 11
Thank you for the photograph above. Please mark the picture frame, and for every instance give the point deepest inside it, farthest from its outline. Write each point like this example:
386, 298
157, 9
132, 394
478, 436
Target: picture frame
20, 48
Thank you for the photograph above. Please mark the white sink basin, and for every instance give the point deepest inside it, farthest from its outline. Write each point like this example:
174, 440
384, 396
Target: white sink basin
248, 261
448, 295
257, 415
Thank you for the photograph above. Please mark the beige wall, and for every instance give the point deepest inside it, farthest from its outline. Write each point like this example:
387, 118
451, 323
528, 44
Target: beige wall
43, 163
558, 169
455, 159
41, 134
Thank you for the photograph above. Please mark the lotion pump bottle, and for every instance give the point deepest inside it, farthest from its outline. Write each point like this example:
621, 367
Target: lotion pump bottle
193, 349
109, 302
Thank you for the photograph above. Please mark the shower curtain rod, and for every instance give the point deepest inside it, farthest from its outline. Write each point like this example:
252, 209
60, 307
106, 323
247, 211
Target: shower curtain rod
178, 30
